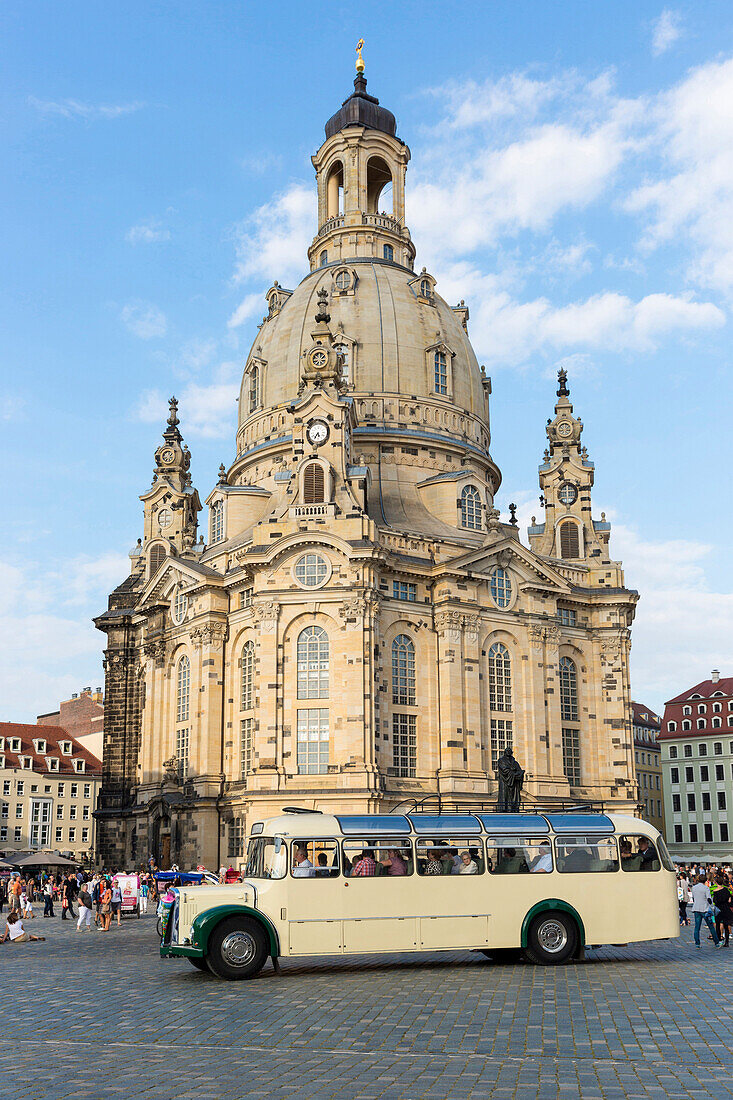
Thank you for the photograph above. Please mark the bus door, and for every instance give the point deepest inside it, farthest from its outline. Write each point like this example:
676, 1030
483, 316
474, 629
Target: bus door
315, 897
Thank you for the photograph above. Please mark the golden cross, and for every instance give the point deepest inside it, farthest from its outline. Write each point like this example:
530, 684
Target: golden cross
359, 60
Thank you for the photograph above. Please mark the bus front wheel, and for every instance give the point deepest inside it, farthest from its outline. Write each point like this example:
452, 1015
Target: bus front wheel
552, 938
200, 964
237, 949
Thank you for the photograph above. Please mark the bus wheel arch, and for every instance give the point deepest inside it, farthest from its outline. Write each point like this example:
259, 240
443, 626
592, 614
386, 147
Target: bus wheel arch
553, 933
237, 948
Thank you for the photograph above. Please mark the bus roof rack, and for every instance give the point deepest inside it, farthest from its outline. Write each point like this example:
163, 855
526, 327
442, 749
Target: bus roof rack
437, 804
300, 810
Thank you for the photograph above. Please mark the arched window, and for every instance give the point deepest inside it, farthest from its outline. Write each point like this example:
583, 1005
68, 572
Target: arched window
441, 372
701, 723
388, 252
701, 708
342, 351
717, 723
314, 489
403, 671
183, 689
686, 724
570, 721
217, 521
323, 258
500, 678
501, 587
335, 190
569, 540
471, 508
254, 388
157, 557
379, 186
248, 676
671, 726
313, 663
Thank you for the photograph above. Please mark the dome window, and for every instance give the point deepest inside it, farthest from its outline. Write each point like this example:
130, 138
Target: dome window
342, 351
389, 253
323, 258
254, 388
217, 521
344, 281
441, 373
471, 508
179, 607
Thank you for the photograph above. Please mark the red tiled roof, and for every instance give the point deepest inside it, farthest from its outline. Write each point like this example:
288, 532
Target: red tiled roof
52, 735
705, 689
652, 720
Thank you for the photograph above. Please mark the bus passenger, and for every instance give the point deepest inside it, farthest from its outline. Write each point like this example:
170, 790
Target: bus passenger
366, 866
629, 861
510, 863
433, 865
394, 864
468, 866
543, 861
303, 867
647, 855
322, 870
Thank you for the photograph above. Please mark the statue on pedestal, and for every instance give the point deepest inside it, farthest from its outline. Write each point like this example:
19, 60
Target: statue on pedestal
511, 778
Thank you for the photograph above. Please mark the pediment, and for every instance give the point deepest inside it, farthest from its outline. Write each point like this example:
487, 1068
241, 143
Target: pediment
172, 573
509, 553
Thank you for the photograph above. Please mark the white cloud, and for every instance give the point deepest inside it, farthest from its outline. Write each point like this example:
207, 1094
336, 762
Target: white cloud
665, 31
469, 103
144, 320
73, 108
147, 233
247, 308
273, 242
205, 409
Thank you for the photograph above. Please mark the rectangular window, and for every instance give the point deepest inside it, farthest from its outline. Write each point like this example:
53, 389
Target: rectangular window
404, 591
704, 775
6, 786
656, 782
501, 738
85, 836
676, 804
708, 830
688, 750
689, 775
674, 775
72, 836
566, 615
317, 859
87, 790
643, 776
245, 600
85, 813
59, 811
636, 757
719, 772
672, 752
61, 790
236, 838
403, 671
245, 761
370, 858
3, 832
19, 809
723, 831
18, 833
515, 855
72, 813
21, 786
312, 741
571, 756
4, 811
182, 753
678, 834
690, 802
693, 834
586, 854
74, 790
404, 744
702, 749
706, 800
721, 800
40, 810
718, 748
441, 373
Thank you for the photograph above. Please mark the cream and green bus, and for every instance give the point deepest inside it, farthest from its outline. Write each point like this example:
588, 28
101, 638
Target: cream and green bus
544, 885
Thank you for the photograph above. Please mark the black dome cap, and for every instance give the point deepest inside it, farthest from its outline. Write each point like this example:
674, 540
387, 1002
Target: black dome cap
361, 109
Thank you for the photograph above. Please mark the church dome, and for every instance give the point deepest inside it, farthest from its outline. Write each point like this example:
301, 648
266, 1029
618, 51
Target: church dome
361, 109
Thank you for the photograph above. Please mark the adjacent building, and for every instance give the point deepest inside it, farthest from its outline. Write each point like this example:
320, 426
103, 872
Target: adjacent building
648, 764
49, 784
360, 628
83, 717
697, 764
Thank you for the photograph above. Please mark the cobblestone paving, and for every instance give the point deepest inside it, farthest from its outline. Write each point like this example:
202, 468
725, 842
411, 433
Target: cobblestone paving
101, 1015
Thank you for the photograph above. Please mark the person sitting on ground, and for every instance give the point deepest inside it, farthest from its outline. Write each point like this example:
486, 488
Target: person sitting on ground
468, 866
15, 932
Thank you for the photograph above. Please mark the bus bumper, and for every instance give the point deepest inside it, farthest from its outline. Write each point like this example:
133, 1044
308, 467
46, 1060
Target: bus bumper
187, 951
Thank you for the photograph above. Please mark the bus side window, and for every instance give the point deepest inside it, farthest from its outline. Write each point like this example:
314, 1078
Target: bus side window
314, 859
518, 855
586, 854
384, 858
450, 857
638, 854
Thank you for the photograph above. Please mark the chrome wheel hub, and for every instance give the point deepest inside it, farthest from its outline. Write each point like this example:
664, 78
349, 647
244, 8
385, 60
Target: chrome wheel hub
552, 936
238, 948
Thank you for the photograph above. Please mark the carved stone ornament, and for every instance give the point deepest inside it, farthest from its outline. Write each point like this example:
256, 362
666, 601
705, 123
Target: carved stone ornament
212, 634
611, 649
155, 651
452, 623
266, 615
471, 628
540, 634
115, 666
358, 605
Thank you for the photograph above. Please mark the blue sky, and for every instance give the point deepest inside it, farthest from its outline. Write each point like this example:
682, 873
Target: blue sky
571, 178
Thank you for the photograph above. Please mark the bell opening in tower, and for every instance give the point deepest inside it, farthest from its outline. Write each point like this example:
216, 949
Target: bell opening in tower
335, 190
380, 192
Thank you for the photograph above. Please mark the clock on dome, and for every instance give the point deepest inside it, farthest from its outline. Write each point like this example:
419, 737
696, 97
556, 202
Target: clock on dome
168, 455
317, 432
565, 429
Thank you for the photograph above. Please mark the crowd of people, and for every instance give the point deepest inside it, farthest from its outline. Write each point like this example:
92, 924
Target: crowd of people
709, 890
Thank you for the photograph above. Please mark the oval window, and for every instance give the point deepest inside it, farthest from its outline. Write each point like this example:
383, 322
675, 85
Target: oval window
501, 587
311, 570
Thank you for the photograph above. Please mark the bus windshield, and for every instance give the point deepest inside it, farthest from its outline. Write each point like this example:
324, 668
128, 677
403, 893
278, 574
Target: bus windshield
266, 858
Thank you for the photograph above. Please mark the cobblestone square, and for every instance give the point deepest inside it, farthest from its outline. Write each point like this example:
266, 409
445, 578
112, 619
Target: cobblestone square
101, 1015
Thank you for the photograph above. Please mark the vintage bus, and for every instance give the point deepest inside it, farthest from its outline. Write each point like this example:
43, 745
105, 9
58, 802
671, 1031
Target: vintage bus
545, 885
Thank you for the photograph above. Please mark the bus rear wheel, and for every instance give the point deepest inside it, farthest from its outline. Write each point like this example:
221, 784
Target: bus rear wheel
552, 938
237, 949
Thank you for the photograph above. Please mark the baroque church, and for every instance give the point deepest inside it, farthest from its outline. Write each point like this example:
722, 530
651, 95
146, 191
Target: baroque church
359, 628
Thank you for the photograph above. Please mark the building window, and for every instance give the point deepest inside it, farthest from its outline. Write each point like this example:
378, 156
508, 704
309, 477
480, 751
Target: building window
441, 373
719, 773
676, 803
236, 838
704, 773
721, 800
717, 707
701, 709
687, 710
425, 288
689, 775
701, 723
566, 615
312, 741
718, 748
404, 745
501, 587
708, 829
568, 690
245, 746
182, 753
85, 836
217, 521
688, 751
686, 725
247, 680
691, 802
313, 661
245, 597
723, 831
314, 484
702, 749
388, 252
59, 835
693, 834
72, 813
501, 738
74, 790
706, 800
404, 591
500, 678
87, 790
59, 812
20, 786
569, 540
72, 836
311, 570
671, 727
254, 388
183, 688
343, 280
35, 834
403, 671
471, 508
157, 557
678, 834
323, 258
85, 813
180, 607
571, 755
342, 351
18, 809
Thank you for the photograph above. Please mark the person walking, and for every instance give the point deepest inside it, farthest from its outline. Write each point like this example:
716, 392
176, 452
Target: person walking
48, 899
85, 909
143, 902
702, 910
116, 901
723, 901
106, 905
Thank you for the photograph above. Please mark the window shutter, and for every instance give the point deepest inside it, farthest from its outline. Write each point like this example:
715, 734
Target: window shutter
313, 484
569, 541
